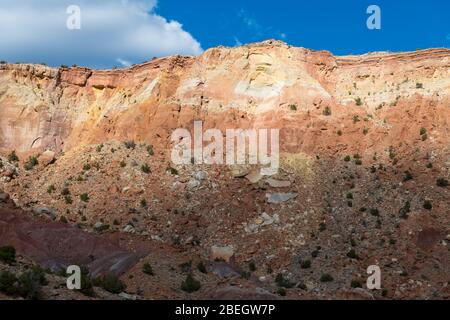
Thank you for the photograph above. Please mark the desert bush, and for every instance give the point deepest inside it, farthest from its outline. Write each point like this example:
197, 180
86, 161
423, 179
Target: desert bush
130, 144
31, 163
427, 205
110, 283
442, 182
282, 282
145, 168
8, 254
326, 278
327, 111
147, 269
201, 267
8, 283
12, 157
150, 150
190, 284
293, 107
305, 264
84, 197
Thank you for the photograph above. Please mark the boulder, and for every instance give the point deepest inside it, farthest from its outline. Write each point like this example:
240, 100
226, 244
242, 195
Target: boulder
46, 158
222, 253
280, 197
49, 212
278, 184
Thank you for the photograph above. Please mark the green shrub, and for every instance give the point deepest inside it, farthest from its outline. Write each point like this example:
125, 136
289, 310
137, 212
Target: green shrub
63, 219
31, 163
358, 101
8, 283
150, 150
252, 266
145, 168
352, 254
282, 292
293, 107
87, 167
326, 278
419, 85
143, 203
408, 176
423, 131
68, 199
424, 137
190, 284
281, 281
51, 188
442, 182
123, 164
358, 162
327, 111
356, 284
201, 267
12, 157
427, 205
375, 212
65, 192
147, 269
84, 197
110, 283
8, 254
130, 144
347, 159
405, 210
306, 264
30, 282
339, 133
172, 170
87, 287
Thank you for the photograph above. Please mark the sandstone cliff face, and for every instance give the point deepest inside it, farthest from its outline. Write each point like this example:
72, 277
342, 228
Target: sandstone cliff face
250, 86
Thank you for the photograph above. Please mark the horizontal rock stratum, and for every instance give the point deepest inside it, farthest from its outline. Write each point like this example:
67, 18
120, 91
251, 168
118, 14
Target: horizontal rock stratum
264, 85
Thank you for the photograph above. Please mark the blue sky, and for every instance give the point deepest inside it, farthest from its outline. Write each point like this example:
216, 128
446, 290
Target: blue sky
338, 26
123, 32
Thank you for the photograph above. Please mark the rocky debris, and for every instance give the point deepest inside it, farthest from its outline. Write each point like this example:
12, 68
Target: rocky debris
239, 171
278, 184
276, 198
254, 176
46, 158
193, 184
224, 270
4, 197
200, 175
262, 221
45, 211
128, 296
222, 253
129, 229
235, 293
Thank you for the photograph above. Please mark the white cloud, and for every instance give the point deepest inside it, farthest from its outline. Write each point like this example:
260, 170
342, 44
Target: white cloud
124, 31
259, 31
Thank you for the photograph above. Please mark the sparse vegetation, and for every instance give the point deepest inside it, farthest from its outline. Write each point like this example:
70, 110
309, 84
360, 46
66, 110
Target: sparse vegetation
326, 278
150, 150
51, 188
8, 254
358, 101
147, 269
110, 283
282, 282
419, 85
31, 163
305, 264
12, 157
201, 267
84, 197
190, 284
442, 182
293, 107
427, 205
130, 144
145, 168
172, 170
327, 111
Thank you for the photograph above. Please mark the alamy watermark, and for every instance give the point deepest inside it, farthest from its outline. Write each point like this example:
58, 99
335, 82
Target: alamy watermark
374, 20
73, 21
238, 147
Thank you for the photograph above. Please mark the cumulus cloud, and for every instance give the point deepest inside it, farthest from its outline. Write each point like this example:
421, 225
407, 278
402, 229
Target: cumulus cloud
112, 32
